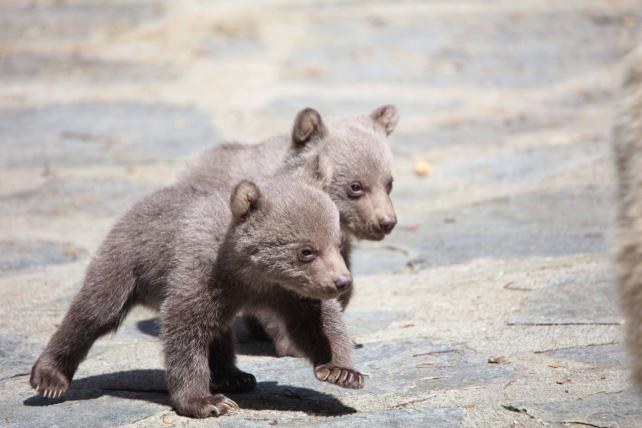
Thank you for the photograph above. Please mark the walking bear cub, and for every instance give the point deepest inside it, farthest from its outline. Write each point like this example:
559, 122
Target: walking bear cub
360, 187
273, 245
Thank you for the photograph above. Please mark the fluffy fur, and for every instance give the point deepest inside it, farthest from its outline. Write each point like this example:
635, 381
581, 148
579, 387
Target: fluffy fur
356, 150
358, 154
270, 248
627, 144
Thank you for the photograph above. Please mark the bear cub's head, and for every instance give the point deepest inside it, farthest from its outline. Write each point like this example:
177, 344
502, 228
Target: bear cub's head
362, 166
288, 231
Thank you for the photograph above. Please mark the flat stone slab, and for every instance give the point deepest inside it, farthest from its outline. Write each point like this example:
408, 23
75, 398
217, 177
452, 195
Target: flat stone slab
435, 57
371, 259
607, 355
418, 417
392, 367
25, 255
27, 66
81, 134
16, 356
572, 301
621, 409
98, 197
86, 406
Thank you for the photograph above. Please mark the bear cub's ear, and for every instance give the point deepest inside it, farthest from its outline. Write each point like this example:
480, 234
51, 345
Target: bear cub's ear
385, 119
308, 126
318, 171
245, 198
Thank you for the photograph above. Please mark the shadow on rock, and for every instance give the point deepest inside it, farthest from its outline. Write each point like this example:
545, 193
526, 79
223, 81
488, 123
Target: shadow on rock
245, 343
149, 385
150, 327
272, 396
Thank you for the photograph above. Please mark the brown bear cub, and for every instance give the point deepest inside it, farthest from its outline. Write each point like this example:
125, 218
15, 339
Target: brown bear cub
627, 145
271, 246
360, 188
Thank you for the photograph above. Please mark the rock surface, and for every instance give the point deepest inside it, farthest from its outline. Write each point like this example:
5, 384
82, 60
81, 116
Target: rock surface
492, 302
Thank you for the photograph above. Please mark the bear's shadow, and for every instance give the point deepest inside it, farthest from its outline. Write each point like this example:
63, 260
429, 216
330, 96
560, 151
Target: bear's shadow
245, 343
149, 385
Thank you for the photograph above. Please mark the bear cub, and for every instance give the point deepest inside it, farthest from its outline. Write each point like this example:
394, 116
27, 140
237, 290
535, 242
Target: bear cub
271, 246
358, 151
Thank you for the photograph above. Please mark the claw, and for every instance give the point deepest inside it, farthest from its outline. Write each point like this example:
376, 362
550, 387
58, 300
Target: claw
334, 376
231, 404
350, 378
340, 376
214, 410
323, 374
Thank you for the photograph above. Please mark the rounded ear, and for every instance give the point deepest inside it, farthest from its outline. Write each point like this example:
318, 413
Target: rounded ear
308, 125
245, 198
319, 171
385, 119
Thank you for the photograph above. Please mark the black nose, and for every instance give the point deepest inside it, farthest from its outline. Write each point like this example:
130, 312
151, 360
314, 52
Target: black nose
343, 282
388, 223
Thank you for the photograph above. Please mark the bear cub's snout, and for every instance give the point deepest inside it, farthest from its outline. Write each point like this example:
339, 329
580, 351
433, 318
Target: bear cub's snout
387, 223
343, 282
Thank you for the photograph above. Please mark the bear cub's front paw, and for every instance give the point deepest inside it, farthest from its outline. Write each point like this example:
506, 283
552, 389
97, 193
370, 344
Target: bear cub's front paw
203, 407
341, 376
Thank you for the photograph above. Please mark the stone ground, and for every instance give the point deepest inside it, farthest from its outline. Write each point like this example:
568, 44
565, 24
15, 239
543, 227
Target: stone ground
501, 251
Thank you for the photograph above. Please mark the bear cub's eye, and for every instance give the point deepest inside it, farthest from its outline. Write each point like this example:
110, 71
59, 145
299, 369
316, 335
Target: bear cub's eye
389, 186
355, 190
307, 254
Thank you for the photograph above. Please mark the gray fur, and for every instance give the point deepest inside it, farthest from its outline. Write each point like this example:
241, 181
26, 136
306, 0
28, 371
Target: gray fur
356, 151
202, 258
627, 144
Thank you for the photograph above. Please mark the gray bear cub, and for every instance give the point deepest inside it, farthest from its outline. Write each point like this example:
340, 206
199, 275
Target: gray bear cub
627, 146
360, 187
270, 246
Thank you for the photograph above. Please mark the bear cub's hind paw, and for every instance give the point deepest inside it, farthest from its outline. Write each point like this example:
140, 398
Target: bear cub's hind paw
48, 381
340, 376
235, 381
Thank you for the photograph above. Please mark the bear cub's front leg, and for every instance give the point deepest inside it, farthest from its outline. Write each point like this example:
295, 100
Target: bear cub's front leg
190, 334
315, 330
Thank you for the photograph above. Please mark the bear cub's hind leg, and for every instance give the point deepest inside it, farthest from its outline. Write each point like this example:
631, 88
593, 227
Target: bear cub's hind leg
101, 305
226, 377
48, 380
